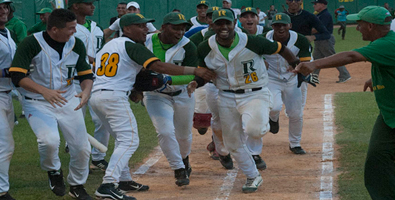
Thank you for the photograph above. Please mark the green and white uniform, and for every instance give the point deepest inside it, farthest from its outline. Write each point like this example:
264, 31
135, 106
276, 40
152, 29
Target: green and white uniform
244, 100
195, 22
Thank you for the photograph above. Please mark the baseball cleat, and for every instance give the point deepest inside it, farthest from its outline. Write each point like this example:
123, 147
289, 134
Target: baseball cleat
274, 126
56, 182
252, 184
202, 131
214, 155
181, 176
131, 186
259, 162
187, 166
6, 196
226, 161
297, 150
342, 80
99, 165
110, 191
66, 149
79, 192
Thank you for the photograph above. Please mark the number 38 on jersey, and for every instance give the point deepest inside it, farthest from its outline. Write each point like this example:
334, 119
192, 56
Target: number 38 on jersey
109, 65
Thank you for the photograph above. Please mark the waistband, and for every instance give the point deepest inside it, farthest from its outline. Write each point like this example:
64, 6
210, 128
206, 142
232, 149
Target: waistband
7, 91
172, 94
126, 92
242, 91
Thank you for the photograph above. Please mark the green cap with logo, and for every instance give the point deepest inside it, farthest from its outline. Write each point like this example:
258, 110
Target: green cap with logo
5, 1
372, 14
281, 18
43, 11
71, 2
249, 10
223, 14
203, 2
212, 9
133, 18
175, 18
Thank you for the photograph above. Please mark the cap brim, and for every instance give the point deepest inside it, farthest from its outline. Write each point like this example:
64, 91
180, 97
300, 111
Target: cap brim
353, 17
280, 22
180, 22
224, 17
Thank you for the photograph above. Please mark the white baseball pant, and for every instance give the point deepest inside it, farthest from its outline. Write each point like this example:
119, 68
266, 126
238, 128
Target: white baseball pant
113, 109
44, 121
6, 139
172, 118
200, 103
288, 93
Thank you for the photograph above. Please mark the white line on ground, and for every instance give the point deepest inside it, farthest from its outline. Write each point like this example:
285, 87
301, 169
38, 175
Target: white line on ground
227, 185
327, 151
157, 154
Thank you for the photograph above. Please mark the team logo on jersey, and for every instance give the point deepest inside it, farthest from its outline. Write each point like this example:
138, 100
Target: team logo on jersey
249, 71
70, 74
248, 66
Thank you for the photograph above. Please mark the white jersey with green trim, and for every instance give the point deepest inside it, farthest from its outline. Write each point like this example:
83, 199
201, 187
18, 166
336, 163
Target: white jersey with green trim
115, 70
97, 36
244, 70
175, 55
7, 52
259, 30
85, 36
52, 72
117, 27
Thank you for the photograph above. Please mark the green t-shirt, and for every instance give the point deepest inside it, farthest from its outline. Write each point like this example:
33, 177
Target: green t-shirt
381, 53
225, 51
17, 28
40, 26
160, 48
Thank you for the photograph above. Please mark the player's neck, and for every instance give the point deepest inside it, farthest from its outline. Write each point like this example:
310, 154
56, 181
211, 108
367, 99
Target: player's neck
81, 19
294, 11
202, 19
225, 42
282, 40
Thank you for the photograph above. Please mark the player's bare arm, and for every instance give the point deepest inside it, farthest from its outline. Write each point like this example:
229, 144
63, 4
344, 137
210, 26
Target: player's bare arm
86, 87
289, 56
168, 68
107, 34
191, 87
368, 84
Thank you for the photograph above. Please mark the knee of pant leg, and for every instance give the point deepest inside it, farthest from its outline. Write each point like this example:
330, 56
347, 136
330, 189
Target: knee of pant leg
49, 141
257, 131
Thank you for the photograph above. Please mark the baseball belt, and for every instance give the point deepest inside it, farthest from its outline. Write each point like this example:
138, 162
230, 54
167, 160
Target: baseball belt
242, 91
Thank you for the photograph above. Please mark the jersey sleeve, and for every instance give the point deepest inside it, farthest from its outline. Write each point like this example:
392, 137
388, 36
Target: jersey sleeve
82, 67
261, 45
191, 58
21, 31
115, 26
203, 50
197, 38
151, 28
305, 49
24, 54
140, 54
374, 52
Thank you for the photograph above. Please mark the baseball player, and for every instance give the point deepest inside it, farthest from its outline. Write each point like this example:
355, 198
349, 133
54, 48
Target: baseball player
131, 7
117, 65
200, 18
249, 21
7, 51
50, 100
282, 83
244, 101
92, 35
171, 110
42, 25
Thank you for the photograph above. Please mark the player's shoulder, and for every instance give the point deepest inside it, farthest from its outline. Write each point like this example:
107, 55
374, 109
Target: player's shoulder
204, 48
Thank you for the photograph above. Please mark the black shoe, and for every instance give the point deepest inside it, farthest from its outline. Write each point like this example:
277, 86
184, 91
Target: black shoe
187, 165
297, 150
99, 165
66, 149
274, 126
226, 161
130, 186
181, 176
202, 131
79, 192
110, 191
259, 162
56, 182
6, 196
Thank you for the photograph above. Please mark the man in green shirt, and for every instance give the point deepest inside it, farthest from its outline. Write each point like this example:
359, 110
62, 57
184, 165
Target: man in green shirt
16, 26
374, 24
40, 26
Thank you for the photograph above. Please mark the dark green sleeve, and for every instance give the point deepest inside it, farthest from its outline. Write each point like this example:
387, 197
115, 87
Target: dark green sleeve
188, 25
82, 65
379, 51
140, 54
304, 45
261, 45
25, 52
203, 50
197, 38
191, 58
20, 31
35, 28
208, 34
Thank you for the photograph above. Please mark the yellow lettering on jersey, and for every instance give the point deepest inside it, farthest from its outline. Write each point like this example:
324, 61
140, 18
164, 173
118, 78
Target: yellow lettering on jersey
221, 13
70, 81
248, 9
378, 87
249, 78
140, 15
278, 17
181, 16
110, 69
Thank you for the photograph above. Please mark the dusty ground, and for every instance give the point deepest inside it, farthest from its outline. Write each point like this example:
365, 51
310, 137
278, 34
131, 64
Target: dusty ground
288, 176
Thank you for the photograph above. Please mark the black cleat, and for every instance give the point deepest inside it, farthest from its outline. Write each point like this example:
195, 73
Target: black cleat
187, 166
111, 191
99, 165
297, 150
274, 126
202, 131
6, 196
131, 186
79, 192
56, 182
181, 176
259, 162
226, 161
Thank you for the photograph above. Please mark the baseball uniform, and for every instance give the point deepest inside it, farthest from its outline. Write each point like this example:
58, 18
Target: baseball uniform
116, 27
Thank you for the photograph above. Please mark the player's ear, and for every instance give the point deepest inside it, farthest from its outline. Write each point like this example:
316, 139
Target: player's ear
290, 26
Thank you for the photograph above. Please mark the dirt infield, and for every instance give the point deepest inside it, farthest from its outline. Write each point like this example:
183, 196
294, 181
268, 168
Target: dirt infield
288, 176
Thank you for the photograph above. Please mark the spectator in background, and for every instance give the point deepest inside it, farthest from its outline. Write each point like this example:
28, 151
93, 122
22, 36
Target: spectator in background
176, 10
262, 17
121, 9
325, 48
341, 16
200, 18
390, 9
228, 4
270, 14
40, 26
16, 26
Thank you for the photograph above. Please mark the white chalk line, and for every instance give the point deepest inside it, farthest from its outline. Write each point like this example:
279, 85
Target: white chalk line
228, 183
156, 155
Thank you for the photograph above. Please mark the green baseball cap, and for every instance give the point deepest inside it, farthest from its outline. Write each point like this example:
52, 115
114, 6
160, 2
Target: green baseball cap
281, 18
223, 14
249, 10
175, 18
5, 1
71, 2
212, 9
372, 14
44, 10
133, 18
206, 3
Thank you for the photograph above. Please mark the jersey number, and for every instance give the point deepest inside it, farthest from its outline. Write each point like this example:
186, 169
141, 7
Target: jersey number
111, 68
249, 78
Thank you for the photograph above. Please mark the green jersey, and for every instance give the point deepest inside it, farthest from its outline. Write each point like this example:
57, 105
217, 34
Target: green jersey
17, 28
40, 26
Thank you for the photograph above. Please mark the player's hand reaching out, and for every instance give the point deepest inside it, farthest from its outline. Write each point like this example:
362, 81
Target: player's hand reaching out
191, 87
304, 68
368, 84
84, 96
205, 73
54, 97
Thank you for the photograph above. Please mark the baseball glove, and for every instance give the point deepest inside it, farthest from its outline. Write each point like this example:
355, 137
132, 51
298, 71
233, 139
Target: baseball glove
311, 79
147, 80
136, 96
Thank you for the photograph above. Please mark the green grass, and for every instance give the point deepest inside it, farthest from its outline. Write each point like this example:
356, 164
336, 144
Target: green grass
355, 117
29, 182
352, 40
